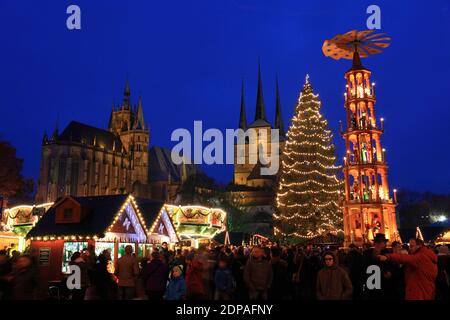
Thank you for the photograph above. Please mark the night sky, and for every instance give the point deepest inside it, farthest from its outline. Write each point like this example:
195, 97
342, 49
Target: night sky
187, 60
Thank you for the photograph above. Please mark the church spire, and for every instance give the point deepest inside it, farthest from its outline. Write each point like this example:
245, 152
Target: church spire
278, 118
139, 119
55, 132
126, 95
242, 116
260, 109
110, 122
45, 138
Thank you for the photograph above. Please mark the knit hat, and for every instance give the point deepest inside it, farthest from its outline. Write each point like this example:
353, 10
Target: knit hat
178, 268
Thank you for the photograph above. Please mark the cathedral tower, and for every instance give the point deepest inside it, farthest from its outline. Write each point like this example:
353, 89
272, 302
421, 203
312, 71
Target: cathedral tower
128, 123
248, 174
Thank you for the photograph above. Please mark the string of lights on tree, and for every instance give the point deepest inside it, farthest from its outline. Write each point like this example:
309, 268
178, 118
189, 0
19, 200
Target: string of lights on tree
308, 190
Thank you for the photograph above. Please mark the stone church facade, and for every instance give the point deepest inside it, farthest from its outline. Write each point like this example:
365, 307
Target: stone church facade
248, 173
86, 161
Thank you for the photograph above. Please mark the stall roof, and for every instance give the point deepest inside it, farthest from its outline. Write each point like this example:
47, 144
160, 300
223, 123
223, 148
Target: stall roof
102, 211
149, 209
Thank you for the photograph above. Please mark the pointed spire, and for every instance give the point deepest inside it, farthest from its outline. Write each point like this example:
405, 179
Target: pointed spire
356, 60
278, 118
127, 88
126, 95
139, 118
55, 132
260, 109
242, 116
45, 138
357, 64
110, 122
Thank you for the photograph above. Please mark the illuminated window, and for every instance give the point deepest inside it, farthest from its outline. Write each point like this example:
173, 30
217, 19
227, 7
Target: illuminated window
69, 249
102, 246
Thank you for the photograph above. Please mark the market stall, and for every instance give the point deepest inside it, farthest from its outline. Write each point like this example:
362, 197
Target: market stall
105, 222
196, 224
17, 221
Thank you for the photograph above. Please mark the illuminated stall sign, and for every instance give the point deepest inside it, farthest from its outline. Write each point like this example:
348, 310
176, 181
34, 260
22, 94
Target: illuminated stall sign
192, 216
127, 227
25, 214
197, 221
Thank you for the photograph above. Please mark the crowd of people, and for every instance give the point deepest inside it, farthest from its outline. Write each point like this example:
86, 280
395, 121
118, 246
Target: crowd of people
411, 271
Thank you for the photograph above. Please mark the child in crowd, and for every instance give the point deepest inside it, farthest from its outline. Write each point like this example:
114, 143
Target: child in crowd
176, 288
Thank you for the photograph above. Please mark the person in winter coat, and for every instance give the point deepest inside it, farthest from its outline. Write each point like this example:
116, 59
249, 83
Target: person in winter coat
5, 269
166, 254
179, 260
420, 270
240, 292
354, 263
333, 282
103, 280
77, 260
90, 258
258, 275
24, 280
388, 270
155, 277
223, 281
312, 265
280, 283
194, 278
127, 270
398, 274
176, 289
443, 277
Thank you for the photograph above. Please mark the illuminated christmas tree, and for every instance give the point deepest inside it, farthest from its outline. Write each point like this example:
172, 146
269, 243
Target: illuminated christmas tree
308, 192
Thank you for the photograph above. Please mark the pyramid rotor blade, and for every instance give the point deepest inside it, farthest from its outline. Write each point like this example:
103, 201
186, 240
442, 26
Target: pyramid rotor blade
372, 50
363, 34
380, 44
375, 35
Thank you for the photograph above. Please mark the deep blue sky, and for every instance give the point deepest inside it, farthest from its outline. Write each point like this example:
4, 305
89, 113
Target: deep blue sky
187, 59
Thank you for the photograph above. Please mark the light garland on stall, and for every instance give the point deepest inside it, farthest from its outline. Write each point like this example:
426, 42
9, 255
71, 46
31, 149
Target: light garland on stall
130, 200
63, 237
